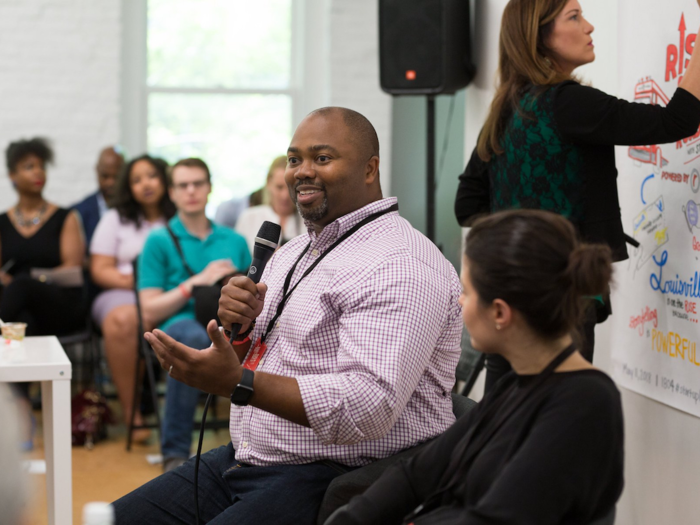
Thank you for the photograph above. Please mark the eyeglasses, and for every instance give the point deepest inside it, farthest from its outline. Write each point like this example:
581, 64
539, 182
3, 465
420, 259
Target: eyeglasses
198, 184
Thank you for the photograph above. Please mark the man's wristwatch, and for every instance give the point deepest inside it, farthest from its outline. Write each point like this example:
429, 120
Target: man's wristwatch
241, 394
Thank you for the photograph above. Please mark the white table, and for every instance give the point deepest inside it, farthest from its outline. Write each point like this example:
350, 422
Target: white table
43, 359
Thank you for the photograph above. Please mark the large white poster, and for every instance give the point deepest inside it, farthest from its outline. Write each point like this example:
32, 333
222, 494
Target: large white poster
657, 302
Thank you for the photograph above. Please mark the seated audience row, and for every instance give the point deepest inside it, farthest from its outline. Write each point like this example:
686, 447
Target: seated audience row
36, 235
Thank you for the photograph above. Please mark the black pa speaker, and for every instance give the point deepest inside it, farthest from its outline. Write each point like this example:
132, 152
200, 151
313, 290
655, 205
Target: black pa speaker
424, 46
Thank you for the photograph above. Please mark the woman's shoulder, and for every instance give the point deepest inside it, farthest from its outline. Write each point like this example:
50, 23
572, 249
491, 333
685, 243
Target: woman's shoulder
252, 218
546, 93
257, 212
591, 384
574, 92
113, 218
111, 222
58, 215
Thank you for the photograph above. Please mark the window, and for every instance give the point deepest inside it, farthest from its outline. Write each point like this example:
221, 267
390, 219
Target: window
219, 86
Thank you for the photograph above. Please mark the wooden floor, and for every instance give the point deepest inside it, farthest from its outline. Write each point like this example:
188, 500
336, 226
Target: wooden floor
106, 472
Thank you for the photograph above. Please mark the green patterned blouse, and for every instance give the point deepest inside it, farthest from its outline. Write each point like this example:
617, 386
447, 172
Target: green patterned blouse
537, 169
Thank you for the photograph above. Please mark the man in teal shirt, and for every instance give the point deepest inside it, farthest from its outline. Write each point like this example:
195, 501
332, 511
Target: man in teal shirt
165, 287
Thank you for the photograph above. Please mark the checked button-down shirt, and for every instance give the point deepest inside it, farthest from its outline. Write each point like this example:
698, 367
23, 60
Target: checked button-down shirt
372, 336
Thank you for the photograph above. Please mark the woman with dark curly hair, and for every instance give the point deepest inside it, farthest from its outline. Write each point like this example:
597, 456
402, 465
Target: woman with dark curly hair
37, 234
141, 204
548, 141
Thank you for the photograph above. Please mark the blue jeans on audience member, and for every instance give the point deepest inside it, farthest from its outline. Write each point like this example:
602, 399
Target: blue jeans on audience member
230, 492
180, 399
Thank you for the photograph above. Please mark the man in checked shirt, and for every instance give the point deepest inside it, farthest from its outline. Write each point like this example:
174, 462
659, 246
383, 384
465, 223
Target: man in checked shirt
357, 366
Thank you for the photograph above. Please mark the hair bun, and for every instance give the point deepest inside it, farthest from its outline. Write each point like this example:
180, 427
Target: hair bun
590, 269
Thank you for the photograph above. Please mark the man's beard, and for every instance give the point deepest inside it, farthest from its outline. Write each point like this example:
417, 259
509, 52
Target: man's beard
317, 213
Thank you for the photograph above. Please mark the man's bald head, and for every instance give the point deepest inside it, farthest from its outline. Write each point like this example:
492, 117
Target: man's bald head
333, 165
361, 130
109, 164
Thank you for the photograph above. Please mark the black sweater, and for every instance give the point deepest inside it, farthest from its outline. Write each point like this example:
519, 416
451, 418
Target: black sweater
570, 146
558, 459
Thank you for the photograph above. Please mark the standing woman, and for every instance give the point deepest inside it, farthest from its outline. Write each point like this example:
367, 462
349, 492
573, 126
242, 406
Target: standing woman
141, 204
548, 141
38, 234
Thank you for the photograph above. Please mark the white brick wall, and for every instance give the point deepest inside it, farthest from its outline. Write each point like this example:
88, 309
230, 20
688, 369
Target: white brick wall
354, 68
59, 78
60, 73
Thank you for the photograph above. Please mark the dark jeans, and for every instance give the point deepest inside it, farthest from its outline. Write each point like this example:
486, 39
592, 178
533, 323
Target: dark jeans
497, 366
181, 400
230, 493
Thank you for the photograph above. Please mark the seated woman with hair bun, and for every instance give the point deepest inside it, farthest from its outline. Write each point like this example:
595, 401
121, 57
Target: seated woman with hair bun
141, 204
545, 446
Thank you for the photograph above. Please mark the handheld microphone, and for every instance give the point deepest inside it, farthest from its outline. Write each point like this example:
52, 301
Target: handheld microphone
265, 245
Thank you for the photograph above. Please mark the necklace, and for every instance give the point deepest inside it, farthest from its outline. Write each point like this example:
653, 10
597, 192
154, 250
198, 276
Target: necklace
28, 223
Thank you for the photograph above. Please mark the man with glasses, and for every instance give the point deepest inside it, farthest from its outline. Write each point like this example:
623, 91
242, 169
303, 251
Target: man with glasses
211, 252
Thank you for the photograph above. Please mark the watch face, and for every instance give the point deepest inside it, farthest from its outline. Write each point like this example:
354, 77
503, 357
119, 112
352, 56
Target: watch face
244, 389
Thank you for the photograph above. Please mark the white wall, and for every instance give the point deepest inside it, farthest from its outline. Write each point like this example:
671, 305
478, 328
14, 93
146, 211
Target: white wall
354, 71
59, 64
662, 460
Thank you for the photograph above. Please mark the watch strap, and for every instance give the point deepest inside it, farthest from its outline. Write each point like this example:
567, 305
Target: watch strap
244, 389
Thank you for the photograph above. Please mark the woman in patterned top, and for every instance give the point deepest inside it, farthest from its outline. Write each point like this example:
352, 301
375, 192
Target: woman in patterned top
548, 141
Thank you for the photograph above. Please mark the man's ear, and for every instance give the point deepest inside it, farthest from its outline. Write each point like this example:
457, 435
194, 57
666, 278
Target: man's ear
372, 170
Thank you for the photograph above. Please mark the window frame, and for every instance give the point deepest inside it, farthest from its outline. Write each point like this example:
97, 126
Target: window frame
304, 70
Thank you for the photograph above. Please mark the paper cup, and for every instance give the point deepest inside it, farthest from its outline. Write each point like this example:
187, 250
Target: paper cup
14, 331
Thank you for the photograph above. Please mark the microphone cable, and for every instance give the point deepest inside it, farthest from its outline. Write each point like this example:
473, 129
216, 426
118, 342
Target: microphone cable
265, 245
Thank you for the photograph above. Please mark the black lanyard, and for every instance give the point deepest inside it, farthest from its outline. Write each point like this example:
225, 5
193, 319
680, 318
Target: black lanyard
286, 292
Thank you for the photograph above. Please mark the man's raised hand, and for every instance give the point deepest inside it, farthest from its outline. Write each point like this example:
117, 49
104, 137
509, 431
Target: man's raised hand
216, 370
241, 302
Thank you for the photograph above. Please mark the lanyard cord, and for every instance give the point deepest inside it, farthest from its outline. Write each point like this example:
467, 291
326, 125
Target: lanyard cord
286, 293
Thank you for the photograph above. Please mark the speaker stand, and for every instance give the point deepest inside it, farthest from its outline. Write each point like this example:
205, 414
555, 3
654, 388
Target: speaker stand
430, 156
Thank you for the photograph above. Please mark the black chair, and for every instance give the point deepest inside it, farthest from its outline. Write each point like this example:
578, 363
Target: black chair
343, 488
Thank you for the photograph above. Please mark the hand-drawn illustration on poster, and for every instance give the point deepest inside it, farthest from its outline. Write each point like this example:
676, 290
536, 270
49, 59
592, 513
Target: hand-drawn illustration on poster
656, 303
